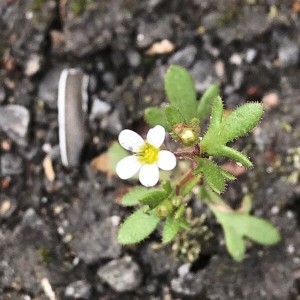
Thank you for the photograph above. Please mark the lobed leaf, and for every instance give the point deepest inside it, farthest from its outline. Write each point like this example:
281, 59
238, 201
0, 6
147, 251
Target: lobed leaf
155, 116
205, 102
180, 90
240, 121
257, 229
170, 229
234, 243
227, 175
137, 227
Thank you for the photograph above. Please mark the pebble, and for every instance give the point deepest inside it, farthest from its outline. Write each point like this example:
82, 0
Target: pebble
184, 57
99, 109
270, 101
14, 121
11, 164
80, 289
47, 91
288, 54
97, 241
122, 274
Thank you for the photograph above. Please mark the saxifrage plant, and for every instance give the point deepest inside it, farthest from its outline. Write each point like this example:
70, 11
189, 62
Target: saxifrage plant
167, 203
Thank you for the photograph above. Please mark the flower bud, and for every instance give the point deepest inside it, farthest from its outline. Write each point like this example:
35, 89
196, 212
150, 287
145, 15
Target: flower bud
165, 208
187, 134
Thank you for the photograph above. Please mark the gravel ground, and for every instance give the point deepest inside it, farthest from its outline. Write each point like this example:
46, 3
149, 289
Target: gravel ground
58, 237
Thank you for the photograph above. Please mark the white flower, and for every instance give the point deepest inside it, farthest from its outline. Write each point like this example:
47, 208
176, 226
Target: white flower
147, 157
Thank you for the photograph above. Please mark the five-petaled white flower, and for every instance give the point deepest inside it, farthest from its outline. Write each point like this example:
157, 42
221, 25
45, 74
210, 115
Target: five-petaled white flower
147, 157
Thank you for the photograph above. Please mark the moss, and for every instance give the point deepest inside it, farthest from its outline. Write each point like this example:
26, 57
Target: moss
45, 255
78, 6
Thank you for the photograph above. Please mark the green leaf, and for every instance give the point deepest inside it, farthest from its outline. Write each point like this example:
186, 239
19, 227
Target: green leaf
137, 227
227, 175
234, 243
205, 103
133, 197
257, 229
173, 115
155, 116
212, 174
170, 230
180, 90
153, 197
240, 121
167, 187
234, 155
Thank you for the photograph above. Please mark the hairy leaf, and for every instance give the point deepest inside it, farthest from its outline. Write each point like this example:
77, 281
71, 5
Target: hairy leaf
155, 116
212, 174
205, 103
173, 115
133, 197
240, 121
137, 227
180, 90
170, 230
234, 155
227, 175
153, 197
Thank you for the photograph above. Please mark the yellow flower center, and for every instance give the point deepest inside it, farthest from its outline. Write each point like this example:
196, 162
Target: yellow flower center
148, 154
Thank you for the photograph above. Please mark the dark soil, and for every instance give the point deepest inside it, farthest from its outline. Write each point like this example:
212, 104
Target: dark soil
58, 238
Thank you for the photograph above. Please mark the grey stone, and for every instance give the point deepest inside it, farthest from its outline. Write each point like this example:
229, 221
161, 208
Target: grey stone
112, 123
99, 109
14, 121
149, 32
134, 58
11, 164
190, 284
184, 57
121, 274
97, 241
47, 90
80, 289
204, 75
288, 54
160, 260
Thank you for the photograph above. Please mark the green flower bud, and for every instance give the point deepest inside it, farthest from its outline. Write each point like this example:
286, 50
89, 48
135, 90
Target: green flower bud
165, 208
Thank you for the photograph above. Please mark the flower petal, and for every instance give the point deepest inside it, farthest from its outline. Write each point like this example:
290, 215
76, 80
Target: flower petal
156, 136
166, 160
149, 175
127, 167
130, 140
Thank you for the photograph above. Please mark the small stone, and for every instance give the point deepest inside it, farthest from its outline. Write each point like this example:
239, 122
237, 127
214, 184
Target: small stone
33, 65
184, 57
288, 54
134, 58
11, 164
14, 121
190, 285
99, 109
121, 274
47, 91
112, 123
97, 241
270, 101
7, 207
235, 59
250, 55
80, 289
